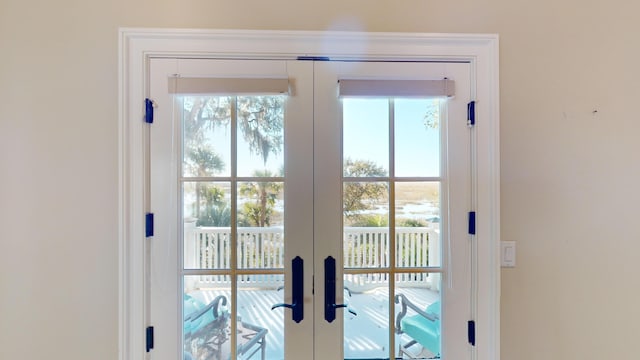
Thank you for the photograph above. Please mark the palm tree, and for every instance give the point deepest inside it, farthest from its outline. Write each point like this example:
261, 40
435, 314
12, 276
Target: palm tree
202, 160
264, 193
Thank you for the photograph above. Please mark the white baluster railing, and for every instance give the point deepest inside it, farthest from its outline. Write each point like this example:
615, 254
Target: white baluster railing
263, 248
366, 247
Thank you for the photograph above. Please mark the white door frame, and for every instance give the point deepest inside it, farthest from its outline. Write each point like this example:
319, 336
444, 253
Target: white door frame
136, 46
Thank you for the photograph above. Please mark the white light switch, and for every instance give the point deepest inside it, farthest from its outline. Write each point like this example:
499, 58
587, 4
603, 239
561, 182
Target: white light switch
508, 253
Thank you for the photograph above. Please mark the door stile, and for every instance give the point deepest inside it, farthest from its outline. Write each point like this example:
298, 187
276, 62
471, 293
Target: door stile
299, 168
327, 206
165, 275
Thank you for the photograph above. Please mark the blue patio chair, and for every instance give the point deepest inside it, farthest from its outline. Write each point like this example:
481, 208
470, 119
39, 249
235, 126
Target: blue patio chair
205, 325
423, 327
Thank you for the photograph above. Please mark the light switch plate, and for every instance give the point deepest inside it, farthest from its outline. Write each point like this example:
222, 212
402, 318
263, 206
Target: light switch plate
508, 253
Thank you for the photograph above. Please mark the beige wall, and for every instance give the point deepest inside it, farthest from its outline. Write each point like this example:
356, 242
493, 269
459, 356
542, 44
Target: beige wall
570, 161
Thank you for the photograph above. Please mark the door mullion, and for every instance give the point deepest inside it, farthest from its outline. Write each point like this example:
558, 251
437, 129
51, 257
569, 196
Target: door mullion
392, 227
234, 226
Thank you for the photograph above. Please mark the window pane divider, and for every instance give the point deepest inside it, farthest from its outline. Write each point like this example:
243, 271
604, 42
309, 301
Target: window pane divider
230, 272
393, 179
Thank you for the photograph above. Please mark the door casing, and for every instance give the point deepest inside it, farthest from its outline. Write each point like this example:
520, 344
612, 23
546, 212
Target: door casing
137, 46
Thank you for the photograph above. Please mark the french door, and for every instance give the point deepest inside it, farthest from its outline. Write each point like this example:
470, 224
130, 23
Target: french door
309, 209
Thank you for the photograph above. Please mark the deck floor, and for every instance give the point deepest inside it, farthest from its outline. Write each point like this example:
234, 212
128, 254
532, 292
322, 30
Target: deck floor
366, 335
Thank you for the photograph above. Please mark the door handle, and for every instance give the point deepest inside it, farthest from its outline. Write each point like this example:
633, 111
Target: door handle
330, 305
297, 283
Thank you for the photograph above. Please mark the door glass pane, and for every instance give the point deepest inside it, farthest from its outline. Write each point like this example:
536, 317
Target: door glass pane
415, 239
209, 125
260, 329
207, 221
365, 137
366, 317
366, 245
417, 206
366, 205
260, 224
207, 316
417, 137
206, 312
417, 315
206, 136
260, 135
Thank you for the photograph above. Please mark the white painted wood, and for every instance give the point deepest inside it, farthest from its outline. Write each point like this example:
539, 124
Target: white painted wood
164, 280
397, 88
455, 192
137, 46
299, 204
165, 269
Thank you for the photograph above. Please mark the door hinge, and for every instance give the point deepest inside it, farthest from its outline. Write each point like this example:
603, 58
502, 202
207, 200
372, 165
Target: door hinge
471, 113
471, 332
148, 111
149, 338
472, 222
148, 225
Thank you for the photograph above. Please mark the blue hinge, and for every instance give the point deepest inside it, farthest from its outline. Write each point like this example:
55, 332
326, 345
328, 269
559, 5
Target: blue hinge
148, 111
149, 338
471, 113
471, 332
148, 225
472, 222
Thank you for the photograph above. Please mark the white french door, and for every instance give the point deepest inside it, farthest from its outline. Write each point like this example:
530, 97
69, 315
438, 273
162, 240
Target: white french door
309, 209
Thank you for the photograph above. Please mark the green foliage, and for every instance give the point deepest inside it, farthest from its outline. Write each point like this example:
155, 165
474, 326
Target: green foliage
202, 160
375, 220
215, 216
212, 209
371, 221
411, 223
264, 195
432, 115
260, 121
362, 168
360, 196
202, 113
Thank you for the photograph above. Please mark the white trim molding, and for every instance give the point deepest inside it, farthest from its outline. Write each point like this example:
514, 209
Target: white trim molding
137, 46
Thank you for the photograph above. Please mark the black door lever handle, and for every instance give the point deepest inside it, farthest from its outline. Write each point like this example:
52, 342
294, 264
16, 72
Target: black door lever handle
330, 305
288, 306
297, 283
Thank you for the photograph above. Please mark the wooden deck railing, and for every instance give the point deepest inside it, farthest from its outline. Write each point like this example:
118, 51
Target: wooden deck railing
364, 247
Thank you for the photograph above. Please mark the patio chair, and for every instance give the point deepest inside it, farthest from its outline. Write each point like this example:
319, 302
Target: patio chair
423, 327
205, 326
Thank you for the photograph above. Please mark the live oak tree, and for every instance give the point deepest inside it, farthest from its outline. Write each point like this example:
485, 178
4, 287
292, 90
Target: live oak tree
260, 122
359, 196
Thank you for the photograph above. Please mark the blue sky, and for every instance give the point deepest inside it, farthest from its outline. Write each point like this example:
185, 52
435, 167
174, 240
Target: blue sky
365, 137
366, 134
